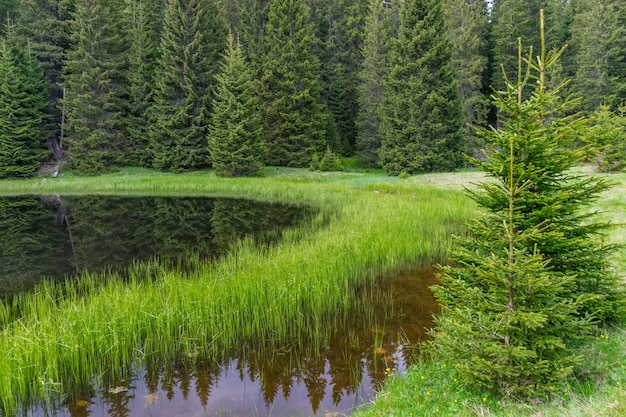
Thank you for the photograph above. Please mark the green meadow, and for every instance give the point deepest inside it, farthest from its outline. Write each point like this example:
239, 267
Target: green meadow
368, 225
599, 386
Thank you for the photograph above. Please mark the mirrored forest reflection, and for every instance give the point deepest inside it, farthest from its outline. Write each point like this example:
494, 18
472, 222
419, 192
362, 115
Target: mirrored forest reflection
57, 236
333, 369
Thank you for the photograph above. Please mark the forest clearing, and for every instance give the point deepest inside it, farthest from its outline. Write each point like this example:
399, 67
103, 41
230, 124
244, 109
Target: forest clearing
374, 222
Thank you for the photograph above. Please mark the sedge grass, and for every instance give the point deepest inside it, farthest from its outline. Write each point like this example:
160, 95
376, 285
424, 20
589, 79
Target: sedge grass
78, 330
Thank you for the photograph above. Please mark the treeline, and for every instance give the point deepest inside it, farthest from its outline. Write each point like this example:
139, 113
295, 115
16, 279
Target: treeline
238, 84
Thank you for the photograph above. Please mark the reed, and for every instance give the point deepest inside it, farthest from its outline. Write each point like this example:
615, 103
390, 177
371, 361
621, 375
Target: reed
367, 226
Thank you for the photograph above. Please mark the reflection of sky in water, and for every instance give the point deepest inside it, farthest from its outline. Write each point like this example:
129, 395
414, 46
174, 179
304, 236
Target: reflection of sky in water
343, 375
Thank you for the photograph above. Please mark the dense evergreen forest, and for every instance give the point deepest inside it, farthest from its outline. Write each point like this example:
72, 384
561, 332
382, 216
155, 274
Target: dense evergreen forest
237, 84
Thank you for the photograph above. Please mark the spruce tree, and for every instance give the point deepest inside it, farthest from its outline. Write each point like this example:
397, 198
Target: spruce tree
231, 14
251, 31
510, 20
379, 30
235, 133
193, 39
422, 125
251, 34
294, 117
598, 38
8, 11
321, 14
23, 109
532, 274
144, 19
330, 162
608, 137
96, 85
559, 16
617, 54
342, 64
466, 23
45, 23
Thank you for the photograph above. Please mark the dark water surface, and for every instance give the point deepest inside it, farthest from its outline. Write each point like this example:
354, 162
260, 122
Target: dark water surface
56, 236
328, 377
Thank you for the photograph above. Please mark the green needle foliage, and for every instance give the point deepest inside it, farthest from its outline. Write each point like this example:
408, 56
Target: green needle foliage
599, 39
8, 10
330, 161
235, 134
96, 87
608, 137
193, 39
144, 21
379, 31
294, 117
532, 274
466, 22
23, 105
510, 20
251, 31
422, 124
45, 24
342, 66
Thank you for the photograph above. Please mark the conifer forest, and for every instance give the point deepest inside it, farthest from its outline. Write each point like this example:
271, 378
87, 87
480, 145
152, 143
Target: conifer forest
529, 264
236, 85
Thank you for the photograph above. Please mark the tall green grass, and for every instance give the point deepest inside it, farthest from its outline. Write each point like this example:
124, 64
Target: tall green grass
599, 386
255, 296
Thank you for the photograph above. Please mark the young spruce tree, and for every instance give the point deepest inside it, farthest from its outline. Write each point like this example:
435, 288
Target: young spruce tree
532, 274
235, 133
422, 124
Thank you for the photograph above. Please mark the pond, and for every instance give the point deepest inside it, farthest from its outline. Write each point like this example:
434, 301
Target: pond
325, 373
55, 236
330, 377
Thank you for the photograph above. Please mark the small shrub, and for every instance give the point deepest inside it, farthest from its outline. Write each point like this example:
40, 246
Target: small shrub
315, 162
330, 162
607, 136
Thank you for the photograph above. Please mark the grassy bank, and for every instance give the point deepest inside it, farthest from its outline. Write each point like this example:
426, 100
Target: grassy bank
599, 388
372, 225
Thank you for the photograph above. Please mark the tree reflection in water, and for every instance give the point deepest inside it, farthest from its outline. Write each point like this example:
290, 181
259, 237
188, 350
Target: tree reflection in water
307, 378
56, 236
